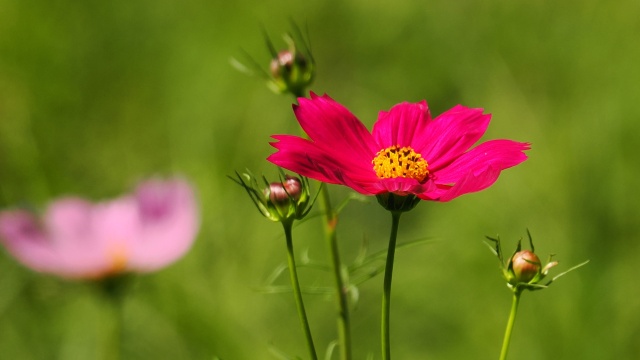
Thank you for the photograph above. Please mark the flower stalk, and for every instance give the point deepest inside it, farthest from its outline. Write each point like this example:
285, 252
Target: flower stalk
344, 324
386, 293
284, 201
293, 273
114, 290
512, 319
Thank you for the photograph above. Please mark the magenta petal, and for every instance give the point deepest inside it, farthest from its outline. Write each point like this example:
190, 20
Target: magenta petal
303, 157
480, 167
472, 183
404, 186
331, 126
306, 158
499, 154
401, 124
451, 134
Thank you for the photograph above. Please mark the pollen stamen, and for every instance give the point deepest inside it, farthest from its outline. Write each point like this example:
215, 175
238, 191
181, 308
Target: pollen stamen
395, 161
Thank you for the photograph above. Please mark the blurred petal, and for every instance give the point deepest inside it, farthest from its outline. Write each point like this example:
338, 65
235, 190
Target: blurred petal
169, 221
77, 239
22, 235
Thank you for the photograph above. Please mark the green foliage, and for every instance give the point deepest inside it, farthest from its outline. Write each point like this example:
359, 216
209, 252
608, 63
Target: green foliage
95, 95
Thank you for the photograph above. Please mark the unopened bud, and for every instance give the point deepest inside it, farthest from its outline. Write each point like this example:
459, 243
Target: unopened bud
523, 270
282, 194
288, 198
284, 62
285, 200
526, 266
293, 186
291, 71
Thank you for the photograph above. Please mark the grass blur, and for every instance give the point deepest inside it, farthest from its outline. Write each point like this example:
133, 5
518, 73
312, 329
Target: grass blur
95, 95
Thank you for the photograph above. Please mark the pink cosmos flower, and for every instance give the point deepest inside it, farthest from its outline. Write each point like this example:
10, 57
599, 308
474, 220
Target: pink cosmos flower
138, 232
407, 152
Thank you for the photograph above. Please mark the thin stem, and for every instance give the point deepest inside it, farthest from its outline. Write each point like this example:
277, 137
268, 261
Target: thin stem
386, 293
118, 331
344, 326
512, 320
293, 272
114, 289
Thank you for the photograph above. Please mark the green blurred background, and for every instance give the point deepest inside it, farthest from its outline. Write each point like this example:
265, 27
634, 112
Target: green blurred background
95, 95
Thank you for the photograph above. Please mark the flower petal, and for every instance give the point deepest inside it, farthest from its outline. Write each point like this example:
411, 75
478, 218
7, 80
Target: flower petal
306, 158
451, 134
401, 124
169, 221
472, 183
90, 240
405, 186
331, 126
24, 238
68, 222
480, 167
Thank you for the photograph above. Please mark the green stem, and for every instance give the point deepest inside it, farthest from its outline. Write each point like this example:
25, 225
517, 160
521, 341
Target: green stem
386, 292
114, 289
293, 272
512, 320
118, 331
331, 221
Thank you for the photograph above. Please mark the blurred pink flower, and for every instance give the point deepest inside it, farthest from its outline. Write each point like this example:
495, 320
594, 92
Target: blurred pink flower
139, 232
407, 152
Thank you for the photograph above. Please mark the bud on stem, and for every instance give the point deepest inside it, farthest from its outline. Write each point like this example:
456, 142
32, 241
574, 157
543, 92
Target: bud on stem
525, 266
285, 200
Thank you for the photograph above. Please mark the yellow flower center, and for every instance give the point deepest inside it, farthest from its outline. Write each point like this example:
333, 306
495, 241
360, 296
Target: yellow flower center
395, 161
118, 256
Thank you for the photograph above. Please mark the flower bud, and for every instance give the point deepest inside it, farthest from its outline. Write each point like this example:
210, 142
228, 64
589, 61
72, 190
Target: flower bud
293, 186
291, 71
285, 200
283, 63
283, 194
524, 270
525, 265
